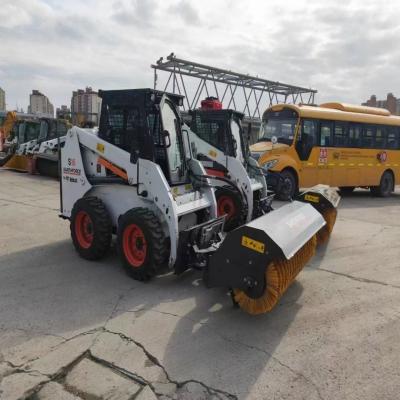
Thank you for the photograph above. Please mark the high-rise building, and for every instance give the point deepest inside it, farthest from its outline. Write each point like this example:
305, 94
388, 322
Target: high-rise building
391, 103
2, 100
85, 106
63, 112
40, 104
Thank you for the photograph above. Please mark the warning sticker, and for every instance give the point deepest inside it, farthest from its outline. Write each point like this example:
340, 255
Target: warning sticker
312, 198
253, 244
212, 153
100, 147
323, 156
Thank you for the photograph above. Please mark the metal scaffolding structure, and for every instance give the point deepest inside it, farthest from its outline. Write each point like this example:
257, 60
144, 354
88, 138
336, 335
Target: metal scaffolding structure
248, 94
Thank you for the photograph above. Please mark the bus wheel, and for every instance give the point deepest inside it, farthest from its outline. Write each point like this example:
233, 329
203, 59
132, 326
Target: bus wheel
288, 187
346, 190
385, 187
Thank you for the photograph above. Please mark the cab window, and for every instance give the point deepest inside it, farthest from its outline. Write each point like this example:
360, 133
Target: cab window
211, 129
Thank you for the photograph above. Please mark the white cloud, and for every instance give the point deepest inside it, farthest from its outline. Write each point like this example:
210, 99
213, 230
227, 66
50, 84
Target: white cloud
345, 50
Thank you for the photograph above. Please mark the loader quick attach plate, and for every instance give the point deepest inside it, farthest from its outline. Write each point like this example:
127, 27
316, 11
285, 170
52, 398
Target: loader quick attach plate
196, 242
242, 259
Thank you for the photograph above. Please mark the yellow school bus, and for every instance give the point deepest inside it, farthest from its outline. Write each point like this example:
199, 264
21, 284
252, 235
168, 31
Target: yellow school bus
336, 144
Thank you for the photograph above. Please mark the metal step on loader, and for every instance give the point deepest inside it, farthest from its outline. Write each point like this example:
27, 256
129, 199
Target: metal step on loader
138, 179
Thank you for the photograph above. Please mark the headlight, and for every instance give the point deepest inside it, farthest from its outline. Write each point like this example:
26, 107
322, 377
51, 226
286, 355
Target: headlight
270, 164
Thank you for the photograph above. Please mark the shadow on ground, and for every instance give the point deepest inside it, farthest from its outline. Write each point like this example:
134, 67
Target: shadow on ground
195, 332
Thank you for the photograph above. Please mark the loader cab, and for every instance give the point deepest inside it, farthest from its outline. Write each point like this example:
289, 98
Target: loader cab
147, 124
27, 131
222, 129
51, 128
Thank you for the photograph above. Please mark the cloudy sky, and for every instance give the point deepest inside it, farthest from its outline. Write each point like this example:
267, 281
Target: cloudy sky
345, 49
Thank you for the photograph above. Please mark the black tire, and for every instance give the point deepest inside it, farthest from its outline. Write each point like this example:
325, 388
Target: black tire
91, 228
289, 186
346, 190
386, 185
229, 202
152, 245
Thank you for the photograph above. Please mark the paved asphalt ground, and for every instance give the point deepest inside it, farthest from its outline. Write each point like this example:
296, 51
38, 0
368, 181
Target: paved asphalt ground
334, 335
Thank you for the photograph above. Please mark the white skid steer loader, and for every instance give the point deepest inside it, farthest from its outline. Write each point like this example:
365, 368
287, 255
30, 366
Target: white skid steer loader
138, 180
217, 140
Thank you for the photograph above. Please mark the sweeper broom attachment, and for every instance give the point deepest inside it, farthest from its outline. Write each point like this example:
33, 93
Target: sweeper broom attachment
261, 259
325, 200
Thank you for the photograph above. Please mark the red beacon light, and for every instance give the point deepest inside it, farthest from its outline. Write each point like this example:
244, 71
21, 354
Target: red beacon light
211, 103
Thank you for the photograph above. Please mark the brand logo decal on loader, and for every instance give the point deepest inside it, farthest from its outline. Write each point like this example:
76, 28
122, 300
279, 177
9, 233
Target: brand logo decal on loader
212, 153
100, 147
253, 244
310, 197
71, 171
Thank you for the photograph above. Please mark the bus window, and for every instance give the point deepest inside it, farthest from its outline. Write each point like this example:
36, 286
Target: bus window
380, 137
355, 135
307, 139
368, 136
340, 134
281, 124
392, 137
326, 134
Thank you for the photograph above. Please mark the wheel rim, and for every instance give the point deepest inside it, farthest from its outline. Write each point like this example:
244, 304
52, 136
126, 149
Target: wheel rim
288, 187
84, 229
134, 245
386, 184
226, 205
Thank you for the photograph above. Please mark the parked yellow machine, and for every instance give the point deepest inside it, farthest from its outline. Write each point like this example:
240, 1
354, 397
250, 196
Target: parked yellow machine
6, 128
335, 144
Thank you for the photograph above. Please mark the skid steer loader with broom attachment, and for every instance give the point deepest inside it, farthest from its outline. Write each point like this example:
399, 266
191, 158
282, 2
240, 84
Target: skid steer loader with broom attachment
137, 179
217, 140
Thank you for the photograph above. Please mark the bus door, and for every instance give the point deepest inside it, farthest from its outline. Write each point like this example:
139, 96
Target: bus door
323, 155
306, 142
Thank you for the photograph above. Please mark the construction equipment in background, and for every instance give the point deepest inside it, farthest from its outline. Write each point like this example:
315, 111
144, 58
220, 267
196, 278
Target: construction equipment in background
33, 144
138, 179
5, 139
217, 140
45, 151
23, 133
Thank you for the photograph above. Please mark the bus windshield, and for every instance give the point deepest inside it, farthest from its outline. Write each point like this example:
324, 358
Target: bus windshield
282, 128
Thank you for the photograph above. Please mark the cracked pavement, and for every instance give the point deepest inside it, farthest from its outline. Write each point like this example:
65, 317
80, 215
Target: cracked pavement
74, 329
